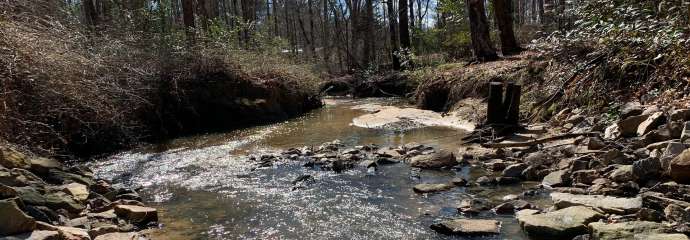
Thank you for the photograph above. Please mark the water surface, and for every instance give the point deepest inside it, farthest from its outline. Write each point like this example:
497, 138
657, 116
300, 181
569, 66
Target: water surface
205, 187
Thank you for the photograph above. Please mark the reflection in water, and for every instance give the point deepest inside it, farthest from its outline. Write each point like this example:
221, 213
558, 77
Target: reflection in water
206, 188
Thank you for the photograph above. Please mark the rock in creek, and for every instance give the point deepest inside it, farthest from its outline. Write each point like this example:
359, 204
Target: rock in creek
633, 230
13, 220
468, 227
474, 205
437, 159
608, 204
561, 224
137, 214
428, 188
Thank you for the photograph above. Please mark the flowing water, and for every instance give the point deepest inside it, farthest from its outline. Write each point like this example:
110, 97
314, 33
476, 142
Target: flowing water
205, 187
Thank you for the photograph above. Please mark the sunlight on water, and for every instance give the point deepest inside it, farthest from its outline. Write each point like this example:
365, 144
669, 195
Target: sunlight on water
207, 187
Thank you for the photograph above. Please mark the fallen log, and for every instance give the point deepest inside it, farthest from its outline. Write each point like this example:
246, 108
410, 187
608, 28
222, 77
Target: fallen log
539, 141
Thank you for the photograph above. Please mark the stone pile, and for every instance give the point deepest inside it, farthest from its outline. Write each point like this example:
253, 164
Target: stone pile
628, 181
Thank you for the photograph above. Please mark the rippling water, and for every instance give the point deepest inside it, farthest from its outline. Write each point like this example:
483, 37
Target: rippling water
205, 186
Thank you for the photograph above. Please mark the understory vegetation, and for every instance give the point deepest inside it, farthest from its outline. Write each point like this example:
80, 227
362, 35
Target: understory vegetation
70, 89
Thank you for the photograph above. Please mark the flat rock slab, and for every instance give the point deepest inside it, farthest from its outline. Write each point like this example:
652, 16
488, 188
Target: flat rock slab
79, 191
35, 235
561, 224
609, 204
633, 230
468, 227
438, 159
137, 214
428, 188
118, 236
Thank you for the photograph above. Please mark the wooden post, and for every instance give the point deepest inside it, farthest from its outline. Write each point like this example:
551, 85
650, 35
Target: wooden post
512, 103
495, 113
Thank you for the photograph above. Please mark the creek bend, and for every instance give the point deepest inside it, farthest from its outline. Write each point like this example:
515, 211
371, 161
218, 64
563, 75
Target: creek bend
207, 188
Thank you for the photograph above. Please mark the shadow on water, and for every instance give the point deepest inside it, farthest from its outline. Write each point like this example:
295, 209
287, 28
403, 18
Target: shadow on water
205, 188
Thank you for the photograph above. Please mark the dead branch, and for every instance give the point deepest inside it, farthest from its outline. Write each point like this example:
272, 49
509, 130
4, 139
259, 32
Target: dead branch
539, 141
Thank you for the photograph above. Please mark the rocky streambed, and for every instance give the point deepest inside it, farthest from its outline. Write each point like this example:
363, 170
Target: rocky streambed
406, 176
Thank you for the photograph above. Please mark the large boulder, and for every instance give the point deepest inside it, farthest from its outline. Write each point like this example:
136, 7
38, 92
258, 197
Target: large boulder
437, 159
11, 158
13, 220
606, 203
632, 230
136, 214
679, 167
561, 224
468, 227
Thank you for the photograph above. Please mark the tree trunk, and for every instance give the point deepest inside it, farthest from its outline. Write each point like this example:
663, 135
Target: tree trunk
311, 29
392, 22
479, 31
188, 19
90, 15
412, 18
403, 25
275, 18
540, 5
503, 11
248, 17
369, 31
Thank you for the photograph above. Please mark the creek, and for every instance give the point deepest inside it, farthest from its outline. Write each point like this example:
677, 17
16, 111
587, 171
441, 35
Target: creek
206, 187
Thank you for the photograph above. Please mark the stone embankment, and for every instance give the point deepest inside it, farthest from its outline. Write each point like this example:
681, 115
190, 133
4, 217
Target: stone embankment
42, 199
